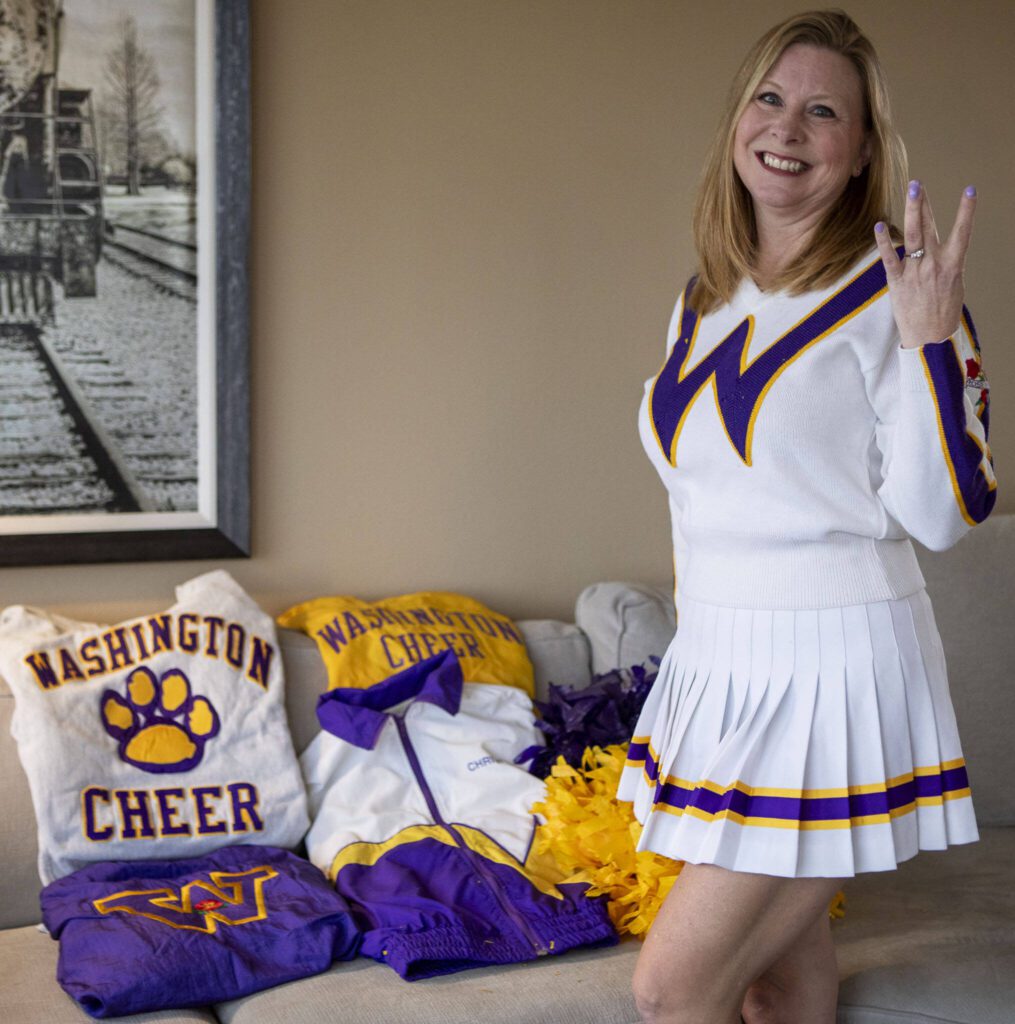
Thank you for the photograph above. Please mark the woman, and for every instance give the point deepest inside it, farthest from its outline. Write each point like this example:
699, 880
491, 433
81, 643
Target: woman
820, 403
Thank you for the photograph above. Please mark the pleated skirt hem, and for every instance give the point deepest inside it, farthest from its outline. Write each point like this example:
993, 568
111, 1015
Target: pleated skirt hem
801, 743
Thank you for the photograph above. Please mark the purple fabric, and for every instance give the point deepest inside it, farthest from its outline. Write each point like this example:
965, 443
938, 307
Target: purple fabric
740, 394
148, 935
604, 712
842, 808
425, 909
357, 715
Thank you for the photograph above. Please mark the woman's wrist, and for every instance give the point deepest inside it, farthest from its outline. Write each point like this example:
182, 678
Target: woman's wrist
918, 336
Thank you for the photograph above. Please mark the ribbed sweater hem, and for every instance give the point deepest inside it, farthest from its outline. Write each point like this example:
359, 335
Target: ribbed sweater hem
794, 575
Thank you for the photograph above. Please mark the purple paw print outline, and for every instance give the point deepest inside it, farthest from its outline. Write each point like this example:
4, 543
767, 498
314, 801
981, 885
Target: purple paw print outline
161, 726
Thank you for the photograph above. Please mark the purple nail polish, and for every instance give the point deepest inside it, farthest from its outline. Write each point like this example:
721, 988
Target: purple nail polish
914, 189
880, 227
970, 191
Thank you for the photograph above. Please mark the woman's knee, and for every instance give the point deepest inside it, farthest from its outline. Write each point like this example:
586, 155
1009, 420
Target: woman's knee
680, 997
656, 1001
764, 1003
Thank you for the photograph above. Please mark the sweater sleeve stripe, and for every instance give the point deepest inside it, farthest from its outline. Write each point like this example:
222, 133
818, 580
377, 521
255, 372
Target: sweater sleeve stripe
969, 463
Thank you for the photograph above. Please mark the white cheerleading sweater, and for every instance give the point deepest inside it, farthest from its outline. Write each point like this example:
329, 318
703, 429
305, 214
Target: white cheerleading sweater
802, 446
160, 738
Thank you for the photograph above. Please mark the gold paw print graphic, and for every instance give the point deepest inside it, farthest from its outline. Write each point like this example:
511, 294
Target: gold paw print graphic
160, 725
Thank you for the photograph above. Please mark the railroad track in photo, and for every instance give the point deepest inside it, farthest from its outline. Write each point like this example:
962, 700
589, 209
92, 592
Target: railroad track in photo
54, 454
168, 263
95, 408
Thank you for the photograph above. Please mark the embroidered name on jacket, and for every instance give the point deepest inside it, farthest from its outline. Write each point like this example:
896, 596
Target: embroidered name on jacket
740, 387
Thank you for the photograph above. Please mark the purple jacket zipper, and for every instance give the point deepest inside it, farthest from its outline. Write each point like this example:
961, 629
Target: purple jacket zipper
476, 861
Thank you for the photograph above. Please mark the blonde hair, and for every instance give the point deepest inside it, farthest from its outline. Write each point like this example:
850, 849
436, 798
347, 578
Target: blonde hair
725, 235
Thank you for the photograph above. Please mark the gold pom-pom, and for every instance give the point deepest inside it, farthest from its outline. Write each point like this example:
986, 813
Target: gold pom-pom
593, 839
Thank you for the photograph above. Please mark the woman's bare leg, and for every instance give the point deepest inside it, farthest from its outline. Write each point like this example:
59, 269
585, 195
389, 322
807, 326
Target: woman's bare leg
717, 933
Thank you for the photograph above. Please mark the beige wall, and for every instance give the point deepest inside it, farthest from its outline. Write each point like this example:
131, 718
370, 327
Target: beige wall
470, 224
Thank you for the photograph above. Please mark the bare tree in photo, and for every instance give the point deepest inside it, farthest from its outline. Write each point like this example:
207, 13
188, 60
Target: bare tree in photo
130, 113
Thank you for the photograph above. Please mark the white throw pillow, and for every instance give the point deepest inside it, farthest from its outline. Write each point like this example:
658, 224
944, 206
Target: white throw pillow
626, 623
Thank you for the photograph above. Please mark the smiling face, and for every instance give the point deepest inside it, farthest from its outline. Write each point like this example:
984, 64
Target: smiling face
801, 136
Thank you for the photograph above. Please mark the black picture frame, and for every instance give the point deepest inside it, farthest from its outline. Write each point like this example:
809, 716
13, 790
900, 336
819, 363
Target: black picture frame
229, 537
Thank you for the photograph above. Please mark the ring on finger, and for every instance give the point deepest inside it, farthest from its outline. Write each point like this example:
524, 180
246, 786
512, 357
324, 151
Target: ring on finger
916, 254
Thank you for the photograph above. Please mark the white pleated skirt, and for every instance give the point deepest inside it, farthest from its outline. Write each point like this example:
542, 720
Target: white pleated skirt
800, 743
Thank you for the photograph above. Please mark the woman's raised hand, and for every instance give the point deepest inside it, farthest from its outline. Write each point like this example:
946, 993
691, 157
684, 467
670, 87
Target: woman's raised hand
925, 285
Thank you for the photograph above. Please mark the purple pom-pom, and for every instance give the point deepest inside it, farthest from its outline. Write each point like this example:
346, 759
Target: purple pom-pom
604, 712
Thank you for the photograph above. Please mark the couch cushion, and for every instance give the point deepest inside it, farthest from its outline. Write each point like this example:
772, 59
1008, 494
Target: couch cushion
581, 987
560, 654
972, 589
974, 991
626, 623
305, 680
19, 847
933, 941
30, 994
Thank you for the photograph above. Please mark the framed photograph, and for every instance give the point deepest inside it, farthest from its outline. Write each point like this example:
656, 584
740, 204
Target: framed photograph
124, 225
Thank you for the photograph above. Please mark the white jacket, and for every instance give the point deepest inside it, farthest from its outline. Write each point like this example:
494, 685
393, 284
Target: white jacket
424, 823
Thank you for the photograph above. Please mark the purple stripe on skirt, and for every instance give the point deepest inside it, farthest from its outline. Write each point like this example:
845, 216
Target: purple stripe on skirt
789, 808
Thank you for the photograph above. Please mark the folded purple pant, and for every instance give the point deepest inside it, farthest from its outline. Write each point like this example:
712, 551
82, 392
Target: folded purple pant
150, 935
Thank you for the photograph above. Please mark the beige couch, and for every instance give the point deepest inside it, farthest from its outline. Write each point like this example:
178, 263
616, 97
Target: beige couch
933, 943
